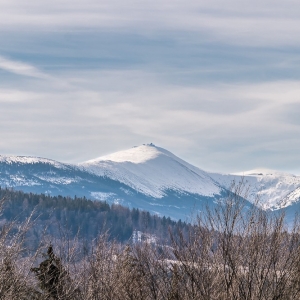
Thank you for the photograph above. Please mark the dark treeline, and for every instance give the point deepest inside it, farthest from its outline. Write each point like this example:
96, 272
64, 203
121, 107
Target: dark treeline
83, 218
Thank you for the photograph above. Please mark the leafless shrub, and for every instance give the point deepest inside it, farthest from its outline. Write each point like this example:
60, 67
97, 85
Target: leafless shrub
235, 251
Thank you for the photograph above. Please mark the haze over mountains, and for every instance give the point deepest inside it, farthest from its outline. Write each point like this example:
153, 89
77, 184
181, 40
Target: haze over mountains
146, 177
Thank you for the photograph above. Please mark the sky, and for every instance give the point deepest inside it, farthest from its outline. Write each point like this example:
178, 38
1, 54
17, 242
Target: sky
216, 83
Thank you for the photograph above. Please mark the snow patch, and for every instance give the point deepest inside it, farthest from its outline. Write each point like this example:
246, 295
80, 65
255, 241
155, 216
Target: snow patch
102, 196
135, 155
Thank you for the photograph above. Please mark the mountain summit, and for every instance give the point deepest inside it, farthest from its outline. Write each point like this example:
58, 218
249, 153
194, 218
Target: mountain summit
153, 171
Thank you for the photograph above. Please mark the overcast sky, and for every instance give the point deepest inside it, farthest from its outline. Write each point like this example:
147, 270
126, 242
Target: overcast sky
215, 82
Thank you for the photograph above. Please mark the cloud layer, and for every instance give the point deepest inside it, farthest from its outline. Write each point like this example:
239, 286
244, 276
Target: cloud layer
218, 86
255, 23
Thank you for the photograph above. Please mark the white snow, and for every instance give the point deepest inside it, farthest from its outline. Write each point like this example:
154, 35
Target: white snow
272, 189
134, 155
262, 172
58, 180
102, 196
29, 160
152, 171
16, 180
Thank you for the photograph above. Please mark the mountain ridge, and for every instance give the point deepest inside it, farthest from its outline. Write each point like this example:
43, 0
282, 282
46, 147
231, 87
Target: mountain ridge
146, 177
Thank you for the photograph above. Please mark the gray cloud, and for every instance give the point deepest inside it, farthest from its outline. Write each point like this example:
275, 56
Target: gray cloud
20, 68
255, 23
217, 85
108, 110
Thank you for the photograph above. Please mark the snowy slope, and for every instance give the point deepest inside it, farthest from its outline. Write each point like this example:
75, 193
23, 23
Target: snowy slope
272, 189
153, 171
27, 160
26, 171
41, 175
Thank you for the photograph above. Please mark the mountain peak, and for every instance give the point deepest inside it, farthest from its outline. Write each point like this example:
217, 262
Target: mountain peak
135, 155
263, 172
153, 171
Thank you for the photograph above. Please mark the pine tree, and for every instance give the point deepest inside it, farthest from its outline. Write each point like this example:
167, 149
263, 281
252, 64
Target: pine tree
51, 275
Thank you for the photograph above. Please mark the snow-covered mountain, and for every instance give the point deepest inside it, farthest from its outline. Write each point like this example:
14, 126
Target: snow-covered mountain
146, 177
153, 171
268, 188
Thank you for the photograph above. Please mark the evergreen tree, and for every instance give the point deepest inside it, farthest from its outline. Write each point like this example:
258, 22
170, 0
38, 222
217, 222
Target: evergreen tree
54, 280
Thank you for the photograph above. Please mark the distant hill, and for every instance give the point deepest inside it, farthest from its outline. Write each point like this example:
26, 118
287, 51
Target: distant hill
61, 218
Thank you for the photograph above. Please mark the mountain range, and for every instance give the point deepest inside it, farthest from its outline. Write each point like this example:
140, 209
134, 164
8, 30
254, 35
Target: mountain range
150, 178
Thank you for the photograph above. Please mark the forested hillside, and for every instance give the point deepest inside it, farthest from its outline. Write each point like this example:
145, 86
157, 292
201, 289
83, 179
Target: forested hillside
53, 217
